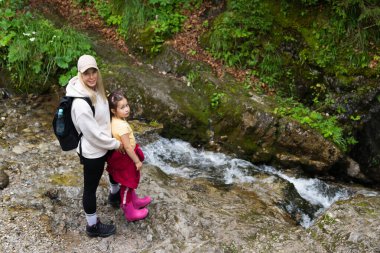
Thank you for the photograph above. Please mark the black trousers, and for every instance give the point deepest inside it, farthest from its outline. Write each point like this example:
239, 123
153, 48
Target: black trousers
92, 172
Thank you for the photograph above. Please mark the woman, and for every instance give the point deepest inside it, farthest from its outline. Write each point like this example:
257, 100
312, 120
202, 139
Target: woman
96, 140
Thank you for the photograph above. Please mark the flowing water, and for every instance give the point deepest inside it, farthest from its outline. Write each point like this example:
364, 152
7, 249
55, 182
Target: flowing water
180, 158
318, 193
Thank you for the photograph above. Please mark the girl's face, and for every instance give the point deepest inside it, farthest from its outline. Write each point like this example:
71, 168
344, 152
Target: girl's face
90, 77
122, 109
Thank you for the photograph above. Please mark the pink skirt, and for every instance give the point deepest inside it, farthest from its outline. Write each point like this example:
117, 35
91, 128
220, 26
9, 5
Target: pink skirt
122, 168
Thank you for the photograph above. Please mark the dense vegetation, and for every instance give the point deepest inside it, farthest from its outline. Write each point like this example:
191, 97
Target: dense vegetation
34, 51
291, 46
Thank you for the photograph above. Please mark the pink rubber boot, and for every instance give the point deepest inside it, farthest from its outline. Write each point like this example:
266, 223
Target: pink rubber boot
133, 214
140, 202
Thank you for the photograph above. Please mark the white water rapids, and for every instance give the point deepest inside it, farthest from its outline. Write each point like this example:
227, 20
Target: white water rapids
180, 158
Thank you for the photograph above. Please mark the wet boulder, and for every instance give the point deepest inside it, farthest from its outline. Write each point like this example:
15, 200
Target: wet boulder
350, 224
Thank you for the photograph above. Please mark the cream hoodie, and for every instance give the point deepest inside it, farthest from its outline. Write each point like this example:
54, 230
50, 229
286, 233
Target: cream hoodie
96, 139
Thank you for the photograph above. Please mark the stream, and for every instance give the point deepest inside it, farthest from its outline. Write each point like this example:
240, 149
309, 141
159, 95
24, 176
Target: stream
179, 158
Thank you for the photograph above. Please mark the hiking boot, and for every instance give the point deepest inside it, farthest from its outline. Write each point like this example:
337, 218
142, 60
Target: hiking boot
100, 229
114, 199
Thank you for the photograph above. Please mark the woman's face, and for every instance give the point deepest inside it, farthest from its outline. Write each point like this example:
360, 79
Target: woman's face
90, 77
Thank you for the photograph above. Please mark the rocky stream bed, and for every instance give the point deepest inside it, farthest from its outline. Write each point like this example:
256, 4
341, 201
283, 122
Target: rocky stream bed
41, 211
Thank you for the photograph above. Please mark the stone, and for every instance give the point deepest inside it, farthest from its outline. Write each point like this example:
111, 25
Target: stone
4, 179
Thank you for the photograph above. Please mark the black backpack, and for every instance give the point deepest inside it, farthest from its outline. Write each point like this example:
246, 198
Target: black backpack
69, 137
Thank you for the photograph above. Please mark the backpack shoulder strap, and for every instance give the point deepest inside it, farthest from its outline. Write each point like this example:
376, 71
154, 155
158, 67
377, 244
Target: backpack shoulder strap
88, 100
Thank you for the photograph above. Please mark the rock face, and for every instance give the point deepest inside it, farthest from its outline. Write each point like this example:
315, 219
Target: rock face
367, 151
287, 143
40, 210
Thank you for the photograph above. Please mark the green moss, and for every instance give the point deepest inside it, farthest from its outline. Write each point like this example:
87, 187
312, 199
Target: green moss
199, 112
185, 68
142, 127
154, 123
366, 208
142, 41
362, 204
230, 247
249, 146
66, 179
196, 134
327, 219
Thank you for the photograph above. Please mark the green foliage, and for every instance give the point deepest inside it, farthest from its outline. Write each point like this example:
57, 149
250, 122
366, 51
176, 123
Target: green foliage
237, 34
346, 41
270, 68
33, 50
154, 123
309, 2
192, 76
134, 17
108, 13
167, 23
326, 125
216, 99
341, 40
326, 220
355, 118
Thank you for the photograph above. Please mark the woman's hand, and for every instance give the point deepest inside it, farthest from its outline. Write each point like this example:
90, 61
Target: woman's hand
121, 148
138, 165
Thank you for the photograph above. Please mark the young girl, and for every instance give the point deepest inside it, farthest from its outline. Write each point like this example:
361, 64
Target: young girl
125, 168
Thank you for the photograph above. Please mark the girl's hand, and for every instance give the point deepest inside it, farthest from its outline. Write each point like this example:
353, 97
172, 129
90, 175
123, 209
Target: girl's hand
138, 165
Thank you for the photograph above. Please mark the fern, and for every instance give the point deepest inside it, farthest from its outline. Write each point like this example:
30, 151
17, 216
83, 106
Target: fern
327, 126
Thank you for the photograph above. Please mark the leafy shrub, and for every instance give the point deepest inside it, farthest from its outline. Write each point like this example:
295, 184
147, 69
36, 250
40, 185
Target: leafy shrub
270, 67
166, 24
134, 18
326, 125
237, 33
240, 37
34, 50
346, 43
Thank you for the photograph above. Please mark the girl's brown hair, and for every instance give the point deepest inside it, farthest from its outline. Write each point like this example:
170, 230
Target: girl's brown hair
114, 98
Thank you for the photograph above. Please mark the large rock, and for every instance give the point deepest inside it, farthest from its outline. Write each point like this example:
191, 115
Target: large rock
351, 224
287, 143
367, 151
